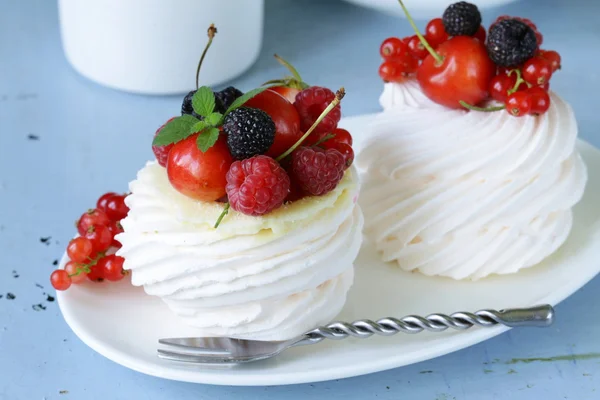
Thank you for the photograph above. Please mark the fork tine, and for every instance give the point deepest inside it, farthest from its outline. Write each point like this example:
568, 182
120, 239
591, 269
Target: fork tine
195, 347
198, 359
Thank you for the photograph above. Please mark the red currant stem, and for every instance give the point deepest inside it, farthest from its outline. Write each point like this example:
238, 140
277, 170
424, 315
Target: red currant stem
325, 138
212, 30
339, 95
519, 81
289, 66
439, 59
482, 109
223, 214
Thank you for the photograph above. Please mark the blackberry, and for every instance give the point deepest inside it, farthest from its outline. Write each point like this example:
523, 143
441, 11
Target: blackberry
511, 43
226, 97
250, 132
187, 108
461, 19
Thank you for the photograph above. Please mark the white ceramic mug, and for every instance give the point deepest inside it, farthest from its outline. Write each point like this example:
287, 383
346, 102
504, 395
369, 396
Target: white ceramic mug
153, 46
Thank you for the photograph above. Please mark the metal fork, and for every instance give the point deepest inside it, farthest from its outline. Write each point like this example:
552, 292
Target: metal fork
231, 351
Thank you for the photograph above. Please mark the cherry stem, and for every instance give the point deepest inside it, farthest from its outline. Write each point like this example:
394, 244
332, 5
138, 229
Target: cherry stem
519, 81
439, 59
223, 214
339, 95
482, 109
212, 30
289, 66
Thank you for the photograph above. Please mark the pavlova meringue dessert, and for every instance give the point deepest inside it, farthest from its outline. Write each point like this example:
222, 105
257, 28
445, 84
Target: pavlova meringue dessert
234, 242
461, 191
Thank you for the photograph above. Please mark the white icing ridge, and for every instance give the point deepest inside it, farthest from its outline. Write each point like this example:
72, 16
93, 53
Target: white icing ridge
269, 278
466, 194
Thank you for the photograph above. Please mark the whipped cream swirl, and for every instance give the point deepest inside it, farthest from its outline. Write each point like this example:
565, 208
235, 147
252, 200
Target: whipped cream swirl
466, 194
268, 278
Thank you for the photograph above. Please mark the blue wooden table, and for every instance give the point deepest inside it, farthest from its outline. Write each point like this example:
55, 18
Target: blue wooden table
64, 140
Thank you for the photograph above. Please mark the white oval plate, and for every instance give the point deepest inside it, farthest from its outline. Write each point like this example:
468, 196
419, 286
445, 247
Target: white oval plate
124, 324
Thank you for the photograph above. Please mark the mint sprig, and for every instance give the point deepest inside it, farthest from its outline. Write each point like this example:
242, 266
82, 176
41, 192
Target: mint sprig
175, 130
240, 101
207, 138
203, 101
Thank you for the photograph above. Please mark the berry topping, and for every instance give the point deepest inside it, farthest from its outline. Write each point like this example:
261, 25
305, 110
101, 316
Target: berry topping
537, 71
60, 279
344, 149
462, 18
290, 86
500, 86
435, 33
91, 217
518, 104
226, 97
115, 228
481, 34
511, 43
416, 48
75, 271
393, 47
250, 132
162, 152
96, 273
100, 237
257, 185
552, 57
188, 109
102, 200
311, 102
395, 70
112, 267
196, 174
540, 100
116, 209
317, 171
80, 249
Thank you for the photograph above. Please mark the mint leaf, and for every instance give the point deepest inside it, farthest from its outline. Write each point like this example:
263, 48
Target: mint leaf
175, 131
198, 127
207, 139
213, 119
203, 101
244, 98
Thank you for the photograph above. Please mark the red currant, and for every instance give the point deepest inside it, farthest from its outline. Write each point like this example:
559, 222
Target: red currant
112, 267
101, 203
552, 57
539, 38
545, 86
342, 136
96, 273
91, 217
481, 34
537, 71
75, 271
435, 33
540, 100
500, 85
100, 237
115, 228
116, 209
343, 148
393, 47
60, 280
80, 249
416, 48
518, 104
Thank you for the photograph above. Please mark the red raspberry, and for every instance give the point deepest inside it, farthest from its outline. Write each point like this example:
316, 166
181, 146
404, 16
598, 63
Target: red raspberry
317, 171
162, 152
257, 185
310, 103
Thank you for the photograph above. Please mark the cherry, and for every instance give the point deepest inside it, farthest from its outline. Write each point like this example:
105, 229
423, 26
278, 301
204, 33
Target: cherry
540, 100
75, 271
60, 279
112, 267
416, 48
80, 249
500, 85
116, 209
100, 237
115, 228
481, 34
284, 115
435, 33
288, 92
552, 57
518, 104
393, 47
199, 175
91, 217
101, 203
537, 71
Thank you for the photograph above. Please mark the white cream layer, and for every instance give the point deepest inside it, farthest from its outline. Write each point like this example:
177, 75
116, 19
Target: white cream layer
269, 278
465, 194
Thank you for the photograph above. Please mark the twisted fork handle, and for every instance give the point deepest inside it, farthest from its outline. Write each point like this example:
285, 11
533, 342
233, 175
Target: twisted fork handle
540, 316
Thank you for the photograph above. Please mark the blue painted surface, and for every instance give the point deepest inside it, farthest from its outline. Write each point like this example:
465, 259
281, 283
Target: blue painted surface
93, 139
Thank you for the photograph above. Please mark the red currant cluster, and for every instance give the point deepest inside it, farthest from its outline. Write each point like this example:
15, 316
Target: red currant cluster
258, 150
456, 67
89, 252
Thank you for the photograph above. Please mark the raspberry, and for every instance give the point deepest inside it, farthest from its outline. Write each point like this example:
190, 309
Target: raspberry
462, 18
226, 97
511, 43
317, 171
310, 103
257, 185
162, 152
250, 132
